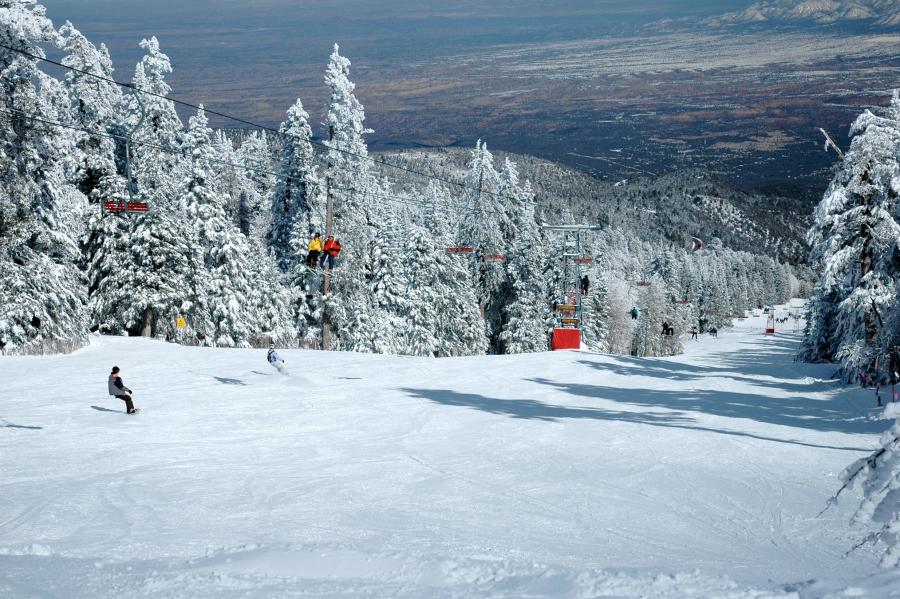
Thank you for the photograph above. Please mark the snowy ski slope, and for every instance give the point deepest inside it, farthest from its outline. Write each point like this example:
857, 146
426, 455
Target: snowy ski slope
568, 475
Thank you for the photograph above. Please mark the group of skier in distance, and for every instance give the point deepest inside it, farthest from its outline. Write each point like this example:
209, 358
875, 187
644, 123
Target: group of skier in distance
320, 252
117, 388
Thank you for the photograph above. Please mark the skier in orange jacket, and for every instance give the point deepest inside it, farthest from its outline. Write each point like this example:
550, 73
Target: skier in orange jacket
332, 250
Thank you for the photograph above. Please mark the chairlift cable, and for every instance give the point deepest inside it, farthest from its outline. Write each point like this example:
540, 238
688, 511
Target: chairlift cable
314, 142
245, 167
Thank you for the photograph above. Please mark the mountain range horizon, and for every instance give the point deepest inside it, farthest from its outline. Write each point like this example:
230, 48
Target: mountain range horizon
611, 88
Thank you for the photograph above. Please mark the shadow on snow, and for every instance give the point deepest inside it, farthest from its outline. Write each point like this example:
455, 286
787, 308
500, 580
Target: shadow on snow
535, 410
770, 357
8, 424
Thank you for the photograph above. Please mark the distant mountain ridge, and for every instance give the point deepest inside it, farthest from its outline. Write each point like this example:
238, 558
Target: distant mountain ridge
822, 12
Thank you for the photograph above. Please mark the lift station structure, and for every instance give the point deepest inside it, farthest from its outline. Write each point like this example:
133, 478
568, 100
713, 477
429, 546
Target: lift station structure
568, 308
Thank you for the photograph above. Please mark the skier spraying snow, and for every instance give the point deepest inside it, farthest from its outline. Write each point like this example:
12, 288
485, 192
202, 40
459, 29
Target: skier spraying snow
118, 389
275, 360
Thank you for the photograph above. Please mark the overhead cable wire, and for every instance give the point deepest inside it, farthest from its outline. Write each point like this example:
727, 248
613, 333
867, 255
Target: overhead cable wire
175, 151
278, 132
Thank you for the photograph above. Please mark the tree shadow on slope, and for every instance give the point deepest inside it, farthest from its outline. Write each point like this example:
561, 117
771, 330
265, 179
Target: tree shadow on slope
535, 410
8, 424
772, 357
831, 415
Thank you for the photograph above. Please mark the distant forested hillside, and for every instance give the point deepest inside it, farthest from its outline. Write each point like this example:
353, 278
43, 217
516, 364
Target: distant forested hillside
672, 207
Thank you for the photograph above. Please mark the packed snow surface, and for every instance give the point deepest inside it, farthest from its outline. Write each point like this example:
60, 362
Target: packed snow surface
566, 474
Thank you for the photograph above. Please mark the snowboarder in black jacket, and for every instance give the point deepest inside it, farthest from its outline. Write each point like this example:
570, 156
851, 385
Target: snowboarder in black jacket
118, 389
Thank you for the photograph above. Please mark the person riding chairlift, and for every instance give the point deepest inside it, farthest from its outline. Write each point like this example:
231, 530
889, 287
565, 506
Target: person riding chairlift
332, 251
314, 248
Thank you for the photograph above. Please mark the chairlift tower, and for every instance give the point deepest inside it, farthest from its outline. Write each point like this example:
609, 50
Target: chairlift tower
568, 306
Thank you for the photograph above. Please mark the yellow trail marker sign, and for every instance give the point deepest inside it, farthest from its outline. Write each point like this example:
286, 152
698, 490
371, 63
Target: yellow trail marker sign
180, 322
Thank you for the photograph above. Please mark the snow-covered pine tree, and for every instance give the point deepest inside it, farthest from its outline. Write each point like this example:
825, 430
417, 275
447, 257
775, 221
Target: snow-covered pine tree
104, 253
391, 276
596, 326
96, 105
272, 302
856, 243
297, 211
509, 195
483, 228
297, 206
41, 289
153, 283
427, 285
447, 292
224, 310
349, 308
648, 338
527, 316
714, 307
256, 156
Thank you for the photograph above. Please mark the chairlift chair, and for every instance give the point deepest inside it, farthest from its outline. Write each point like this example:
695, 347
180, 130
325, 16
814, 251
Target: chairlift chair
125, 204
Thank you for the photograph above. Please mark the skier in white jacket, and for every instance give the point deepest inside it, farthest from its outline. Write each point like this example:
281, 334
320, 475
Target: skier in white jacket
275, 360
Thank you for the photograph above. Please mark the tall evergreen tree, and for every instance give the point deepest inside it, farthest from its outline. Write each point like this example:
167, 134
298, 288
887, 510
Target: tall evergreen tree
528, 316
297, 203
223, 279
459, 328
596, 325
856, 242
256, 156
484, 228
349, 308
41, 289
96, 106
153, 284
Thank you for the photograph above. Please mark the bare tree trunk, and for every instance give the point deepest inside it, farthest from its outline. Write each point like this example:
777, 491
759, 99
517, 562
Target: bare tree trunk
147, 323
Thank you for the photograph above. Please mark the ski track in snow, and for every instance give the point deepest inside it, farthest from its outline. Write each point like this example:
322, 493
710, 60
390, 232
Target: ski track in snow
568, 474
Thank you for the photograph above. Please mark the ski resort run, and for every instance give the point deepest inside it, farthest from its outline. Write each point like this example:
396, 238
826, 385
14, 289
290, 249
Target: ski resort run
565, 474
